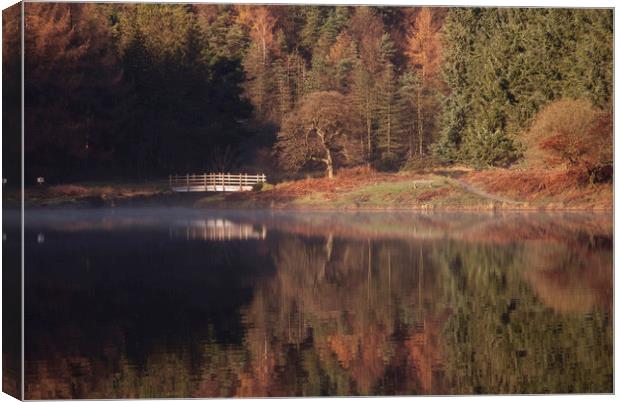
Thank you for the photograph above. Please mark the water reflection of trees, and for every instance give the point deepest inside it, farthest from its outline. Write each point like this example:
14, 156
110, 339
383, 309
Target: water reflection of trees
442, 317
515, 308
360, 313
532, 318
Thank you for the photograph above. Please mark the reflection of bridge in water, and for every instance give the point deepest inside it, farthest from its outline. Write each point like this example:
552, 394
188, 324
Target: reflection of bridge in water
217, 229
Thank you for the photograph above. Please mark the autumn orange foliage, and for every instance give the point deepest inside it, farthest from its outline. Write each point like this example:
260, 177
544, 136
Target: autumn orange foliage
560, 185
573, 134
425, 42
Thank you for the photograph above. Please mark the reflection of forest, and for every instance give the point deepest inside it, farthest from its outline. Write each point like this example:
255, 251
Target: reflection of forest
359, 315
468, 313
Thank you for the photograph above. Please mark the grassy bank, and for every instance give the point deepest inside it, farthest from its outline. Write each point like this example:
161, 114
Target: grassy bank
361, 188
450, 189
91, 194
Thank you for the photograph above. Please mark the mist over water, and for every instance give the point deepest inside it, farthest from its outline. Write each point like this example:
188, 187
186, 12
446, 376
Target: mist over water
188, 303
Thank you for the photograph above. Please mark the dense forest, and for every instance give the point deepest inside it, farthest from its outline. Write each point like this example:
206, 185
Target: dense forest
144, 90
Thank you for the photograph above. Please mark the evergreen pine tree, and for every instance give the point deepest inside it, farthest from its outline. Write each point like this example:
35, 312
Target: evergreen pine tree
408, 86
389, 129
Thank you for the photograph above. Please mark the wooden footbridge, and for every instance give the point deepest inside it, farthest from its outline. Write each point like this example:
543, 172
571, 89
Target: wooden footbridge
215, 182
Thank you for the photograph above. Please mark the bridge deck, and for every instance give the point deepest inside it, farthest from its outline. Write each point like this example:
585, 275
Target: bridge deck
223, 182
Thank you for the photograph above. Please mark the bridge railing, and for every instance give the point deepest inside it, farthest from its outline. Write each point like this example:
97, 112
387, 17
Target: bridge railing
215, 181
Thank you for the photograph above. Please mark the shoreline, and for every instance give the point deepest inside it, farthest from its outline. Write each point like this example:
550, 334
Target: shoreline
351, 190
182, 201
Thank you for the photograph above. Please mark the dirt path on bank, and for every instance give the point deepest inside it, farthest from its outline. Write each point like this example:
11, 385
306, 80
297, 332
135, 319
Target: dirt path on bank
493, 197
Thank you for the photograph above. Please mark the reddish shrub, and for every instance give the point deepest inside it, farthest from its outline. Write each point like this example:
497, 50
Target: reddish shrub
573, 134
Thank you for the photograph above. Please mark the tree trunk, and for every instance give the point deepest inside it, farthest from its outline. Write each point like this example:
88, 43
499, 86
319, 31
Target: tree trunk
328, 160
420, 117
420, 123
264, 48
368, 126
389, 131
329, 163
412, 143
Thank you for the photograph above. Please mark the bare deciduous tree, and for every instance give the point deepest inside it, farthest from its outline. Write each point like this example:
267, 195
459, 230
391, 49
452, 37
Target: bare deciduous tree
320, 130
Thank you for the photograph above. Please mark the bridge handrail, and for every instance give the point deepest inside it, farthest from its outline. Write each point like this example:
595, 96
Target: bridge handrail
217, 179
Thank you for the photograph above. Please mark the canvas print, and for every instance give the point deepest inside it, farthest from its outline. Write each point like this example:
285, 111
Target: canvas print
249, 200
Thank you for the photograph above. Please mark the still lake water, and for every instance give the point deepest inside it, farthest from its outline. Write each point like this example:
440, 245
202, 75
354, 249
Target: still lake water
184, 303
